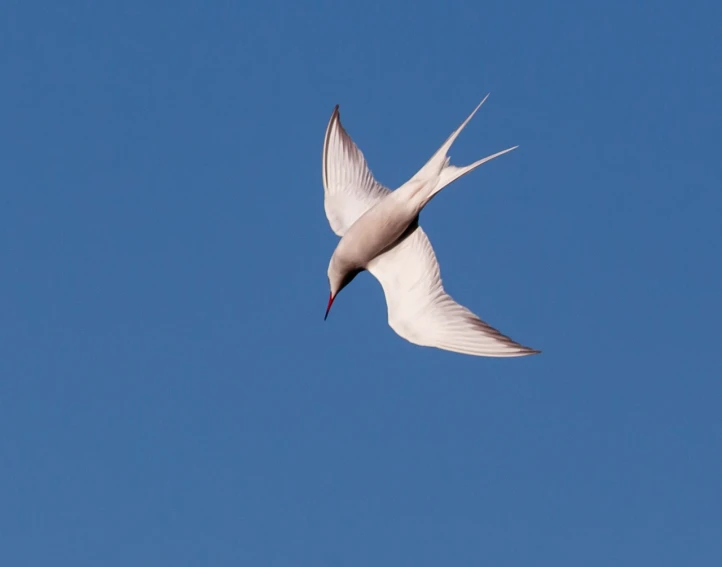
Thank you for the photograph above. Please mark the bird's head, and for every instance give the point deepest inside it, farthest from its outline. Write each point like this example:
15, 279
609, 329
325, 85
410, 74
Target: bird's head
337, 280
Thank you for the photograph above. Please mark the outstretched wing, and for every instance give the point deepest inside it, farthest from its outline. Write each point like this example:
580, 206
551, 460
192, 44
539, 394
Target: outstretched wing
420, 310
349, 186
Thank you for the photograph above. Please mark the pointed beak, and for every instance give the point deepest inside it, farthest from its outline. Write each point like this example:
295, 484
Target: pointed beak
330, 302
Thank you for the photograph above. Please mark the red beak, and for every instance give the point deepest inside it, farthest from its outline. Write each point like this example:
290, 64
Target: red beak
330, 302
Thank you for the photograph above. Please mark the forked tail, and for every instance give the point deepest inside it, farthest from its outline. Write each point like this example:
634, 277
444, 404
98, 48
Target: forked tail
439, 169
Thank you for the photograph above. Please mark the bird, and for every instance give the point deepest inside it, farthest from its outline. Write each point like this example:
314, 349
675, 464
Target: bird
380, 233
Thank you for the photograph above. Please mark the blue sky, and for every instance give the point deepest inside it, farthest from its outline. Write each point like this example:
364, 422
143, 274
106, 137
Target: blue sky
170, 394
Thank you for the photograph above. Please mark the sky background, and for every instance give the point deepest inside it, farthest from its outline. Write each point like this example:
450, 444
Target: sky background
169, 392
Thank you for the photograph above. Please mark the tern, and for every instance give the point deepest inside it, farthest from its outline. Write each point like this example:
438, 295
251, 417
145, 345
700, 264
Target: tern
380, 233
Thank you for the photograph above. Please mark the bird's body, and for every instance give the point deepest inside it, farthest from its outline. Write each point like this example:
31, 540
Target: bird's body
380, 233
377, 230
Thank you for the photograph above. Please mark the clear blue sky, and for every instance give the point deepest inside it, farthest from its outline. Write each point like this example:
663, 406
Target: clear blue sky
169, 392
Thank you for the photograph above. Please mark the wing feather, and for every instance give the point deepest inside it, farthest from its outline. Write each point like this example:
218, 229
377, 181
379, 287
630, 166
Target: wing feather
420, 310
349, 186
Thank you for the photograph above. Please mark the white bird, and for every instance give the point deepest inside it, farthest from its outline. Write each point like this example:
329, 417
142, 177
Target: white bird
380, 232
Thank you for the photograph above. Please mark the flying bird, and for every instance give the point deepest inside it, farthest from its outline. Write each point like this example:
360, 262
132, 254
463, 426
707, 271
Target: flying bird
380, 233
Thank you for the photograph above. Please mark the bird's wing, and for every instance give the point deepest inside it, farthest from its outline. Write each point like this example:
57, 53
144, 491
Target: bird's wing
420, 310
349, 186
